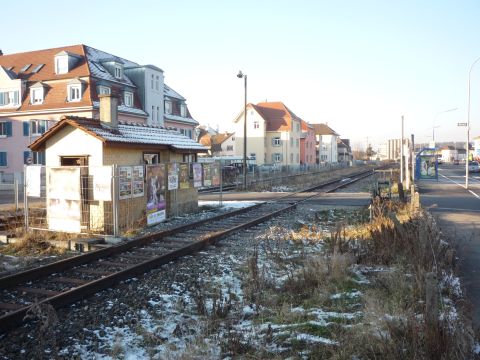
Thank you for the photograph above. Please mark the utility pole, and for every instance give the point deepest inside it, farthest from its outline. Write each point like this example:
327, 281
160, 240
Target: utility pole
401, 156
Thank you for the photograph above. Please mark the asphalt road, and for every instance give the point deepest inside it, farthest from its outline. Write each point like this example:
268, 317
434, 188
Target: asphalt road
458, 213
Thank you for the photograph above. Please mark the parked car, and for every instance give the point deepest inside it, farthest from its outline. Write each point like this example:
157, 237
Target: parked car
473, 167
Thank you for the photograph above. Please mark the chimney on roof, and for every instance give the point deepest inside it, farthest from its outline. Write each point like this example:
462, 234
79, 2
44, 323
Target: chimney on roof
109, 110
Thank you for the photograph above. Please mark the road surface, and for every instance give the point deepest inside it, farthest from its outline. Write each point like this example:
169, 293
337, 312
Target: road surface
458, 213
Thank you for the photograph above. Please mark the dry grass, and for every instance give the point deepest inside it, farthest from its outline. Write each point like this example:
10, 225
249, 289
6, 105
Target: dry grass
36, 243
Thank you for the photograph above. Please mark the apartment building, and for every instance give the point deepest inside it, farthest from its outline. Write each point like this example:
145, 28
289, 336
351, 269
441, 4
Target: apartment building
274, 133
327, 150
37, 88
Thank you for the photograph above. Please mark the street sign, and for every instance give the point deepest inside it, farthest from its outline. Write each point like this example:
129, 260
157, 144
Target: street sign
461, 124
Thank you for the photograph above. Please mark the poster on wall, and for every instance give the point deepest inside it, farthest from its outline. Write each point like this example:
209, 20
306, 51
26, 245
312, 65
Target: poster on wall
137, 181
102, 183
156, 204
33, 180
427, 167
125, 182
173, 176
197, 175
184, 179
215, 169
207, 175
63, 205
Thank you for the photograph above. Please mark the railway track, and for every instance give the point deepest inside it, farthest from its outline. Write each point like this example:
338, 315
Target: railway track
67, 281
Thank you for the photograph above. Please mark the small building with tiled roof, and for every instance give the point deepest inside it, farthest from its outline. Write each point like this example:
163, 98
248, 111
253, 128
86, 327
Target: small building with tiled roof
37, 88
218, 144
273, 134
93, 143
344, 150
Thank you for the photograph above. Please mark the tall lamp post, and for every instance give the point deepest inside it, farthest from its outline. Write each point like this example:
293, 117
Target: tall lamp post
468, 123
244, 76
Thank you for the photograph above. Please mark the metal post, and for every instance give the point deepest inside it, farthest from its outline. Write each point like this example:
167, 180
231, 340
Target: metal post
221, 182
15, 190
468, 123
115, 200
25, 197
401, 156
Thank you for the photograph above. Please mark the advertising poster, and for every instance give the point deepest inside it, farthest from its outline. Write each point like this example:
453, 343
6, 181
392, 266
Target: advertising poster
184, 179
33, 180
102, 183
173, 176
215, 169
427, 167
156, 203
64, 206
137, 181
207, 175
197, 175
125, 181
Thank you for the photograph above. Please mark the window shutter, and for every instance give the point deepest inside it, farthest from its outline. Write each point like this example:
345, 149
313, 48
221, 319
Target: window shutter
8, 128
26, 128
273, 144
281, 157
3, 158
42, 124
273, 158
26, 155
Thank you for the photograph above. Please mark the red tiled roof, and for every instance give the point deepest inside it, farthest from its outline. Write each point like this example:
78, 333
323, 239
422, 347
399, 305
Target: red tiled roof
47, 72
277, 116
323, 129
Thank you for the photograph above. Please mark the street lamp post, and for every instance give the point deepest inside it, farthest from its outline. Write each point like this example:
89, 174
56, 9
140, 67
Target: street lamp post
468, 123
244, 76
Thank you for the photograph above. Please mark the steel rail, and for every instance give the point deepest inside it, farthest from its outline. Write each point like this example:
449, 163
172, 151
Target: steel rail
16, 317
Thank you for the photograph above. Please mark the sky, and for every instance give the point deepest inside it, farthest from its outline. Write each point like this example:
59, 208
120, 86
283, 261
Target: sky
358, 66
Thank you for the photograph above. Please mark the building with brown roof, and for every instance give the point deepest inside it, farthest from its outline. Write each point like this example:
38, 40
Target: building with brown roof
274, 133
37, 88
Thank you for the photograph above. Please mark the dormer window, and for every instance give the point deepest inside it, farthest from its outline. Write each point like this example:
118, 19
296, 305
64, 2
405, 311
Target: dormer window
37, 93
37, 96
168, 107
9, 98
74, 93
118, 71
183, 110
103, 90
128, 99
61, 64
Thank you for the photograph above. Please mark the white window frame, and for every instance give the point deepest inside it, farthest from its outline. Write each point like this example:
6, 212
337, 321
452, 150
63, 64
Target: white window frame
118, 71
277, 141
158, 114
74, 92
104, 90
256, 124
157, 83
253, 156
61, 65
277, 157
35, 127
128, 99
36, 96
152, 81
183, 110
9, 97
229, 147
